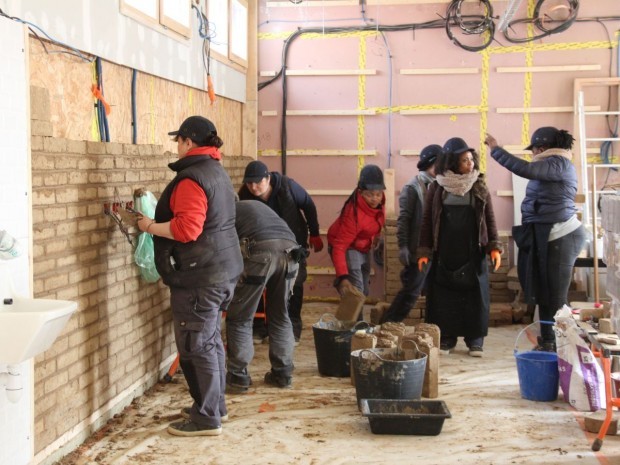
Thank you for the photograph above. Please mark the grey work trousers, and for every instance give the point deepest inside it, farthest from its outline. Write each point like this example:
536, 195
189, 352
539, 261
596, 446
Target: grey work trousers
268, 266
359, 269
197, 321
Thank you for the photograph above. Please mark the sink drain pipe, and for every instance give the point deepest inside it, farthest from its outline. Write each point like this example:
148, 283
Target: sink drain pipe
11, 381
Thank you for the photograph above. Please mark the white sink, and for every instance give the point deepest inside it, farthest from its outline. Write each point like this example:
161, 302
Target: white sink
30, 326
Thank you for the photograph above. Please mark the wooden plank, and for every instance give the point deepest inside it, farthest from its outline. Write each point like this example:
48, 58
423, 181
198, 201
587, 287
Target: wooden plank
520, 150
318, 153
505, 193
546, 69
321, 113
322, 72
409, 153
543, 109
425, 71
327, 192
332, 3
440, 111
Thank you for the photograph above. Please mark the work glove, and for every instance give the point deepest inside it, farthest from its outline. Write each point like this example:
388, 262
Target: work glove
346, 287
422, 264
316, 243
496, 259
404, 256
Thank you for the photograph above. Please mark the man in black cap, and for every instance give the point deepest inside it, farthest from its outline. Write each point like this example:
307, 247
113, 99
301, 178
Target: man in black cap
197, 255
270, 258
295, 206
411, 203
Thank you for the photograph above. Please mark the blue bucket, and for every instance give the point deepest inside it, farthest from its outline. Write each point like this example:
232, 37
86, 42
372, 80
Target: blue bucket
539, 378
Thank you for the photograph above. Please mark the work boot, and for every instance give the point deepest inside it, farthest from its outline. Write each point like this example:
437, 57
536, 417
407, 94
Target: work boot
283, 382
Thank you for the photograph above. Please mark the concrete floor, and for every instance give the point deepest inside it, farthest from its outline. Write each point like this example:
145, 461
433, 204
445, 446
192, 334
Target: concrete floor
317, 422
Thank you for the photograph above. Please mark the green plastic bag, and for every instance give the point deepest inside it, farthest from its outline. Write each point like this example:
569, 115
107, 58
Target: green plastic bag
145, 251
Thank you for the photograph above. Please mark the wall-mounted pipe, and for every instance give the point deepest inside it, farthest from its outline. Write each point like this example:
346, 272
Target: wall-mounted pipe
11, 381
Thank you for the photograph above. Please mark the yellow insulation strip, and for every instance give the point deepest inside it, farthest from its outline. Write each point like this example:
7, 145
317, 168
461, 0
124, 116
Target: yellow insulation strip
94, 122
527, 84
361, 102
484, 108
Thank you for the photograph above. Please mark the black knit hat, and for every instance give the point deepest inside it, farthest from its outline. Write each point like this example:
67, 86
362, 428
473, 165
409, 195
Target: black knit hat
197, 128
543, 137
456, 145
428, 156
256, 171
371, 178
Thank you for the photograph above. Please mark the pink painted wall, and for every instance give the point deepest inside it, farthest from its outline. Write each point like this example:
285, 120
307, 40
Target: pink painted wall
582, 43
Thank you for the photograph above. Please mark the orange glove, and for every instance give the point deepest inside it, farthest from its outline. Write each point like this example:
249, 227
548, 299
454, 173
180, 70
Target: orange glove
316, 243
496, 259
422, 264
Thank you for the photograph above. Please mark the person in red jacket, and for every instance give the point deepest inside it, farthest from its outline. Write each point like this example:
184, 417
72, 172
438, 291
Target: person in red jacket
357, 230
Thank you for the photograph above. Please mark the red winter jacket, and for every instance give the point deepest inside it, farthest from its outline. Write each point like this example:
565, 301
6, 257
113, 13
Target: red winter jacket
355, 228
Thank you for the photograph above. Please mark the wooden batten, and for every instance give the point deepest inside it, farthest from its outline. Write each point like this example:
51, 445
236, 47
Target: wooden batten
547, 69
543, 109
322, 72
440, 111
321, 113
319, 153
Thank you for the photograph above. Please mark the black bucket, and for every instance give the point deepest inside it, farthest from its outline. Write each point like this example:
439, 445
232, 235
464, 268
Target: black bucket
384, 374
332, 342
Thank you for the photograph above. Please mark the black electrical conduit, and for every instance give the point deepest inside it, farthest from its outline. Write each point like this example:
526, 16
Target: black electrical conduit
134, 121
336, 30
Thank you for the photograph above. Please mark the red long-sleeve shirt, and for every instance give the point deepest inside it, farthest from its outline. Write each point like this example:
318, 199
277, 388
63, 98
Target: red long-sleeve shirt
189, 203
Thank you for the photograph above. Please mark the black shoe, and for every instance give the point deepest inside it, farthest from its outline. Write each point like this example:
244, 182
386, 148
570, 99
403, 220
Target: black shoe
236, 389
545, 347
475, 351
283, 382
189, 428
445, 348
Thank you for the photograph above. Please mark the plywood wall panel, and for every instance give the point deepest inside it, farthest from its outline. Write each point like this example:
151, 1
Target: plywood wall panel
161, 104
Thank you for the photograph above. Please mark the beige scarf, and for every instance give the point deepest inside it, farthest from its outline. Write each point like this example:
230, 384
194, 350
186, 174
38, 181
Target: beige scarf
553, 152
457, 184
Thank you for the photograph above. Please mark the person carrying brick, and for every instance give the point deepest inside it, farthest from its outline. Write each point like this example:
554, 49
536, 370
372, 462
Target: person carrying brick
197, 255
356, 231
411, 204
271, 257
295, 206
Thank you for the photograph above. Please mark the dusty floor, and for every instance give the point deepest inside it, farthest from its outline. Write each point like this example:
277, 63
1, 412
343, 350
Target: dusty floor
317, 422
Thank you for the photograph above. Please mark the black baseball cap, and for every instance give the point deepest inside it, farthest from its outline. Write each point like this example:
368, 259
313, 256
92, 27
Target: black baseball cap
428, 156
543, 137
255, 172
196, 128
457, 146
371, 178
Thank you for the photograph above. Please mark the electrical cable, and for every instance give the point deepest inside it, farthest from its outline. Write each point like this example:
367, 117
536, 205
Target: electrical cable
31, 26
539, 22
470, 24
134, 118
104, 130
285, 49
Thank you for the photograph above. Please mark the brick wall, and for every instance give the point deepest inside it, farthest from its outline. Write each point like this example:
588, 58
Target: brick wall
122, 331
